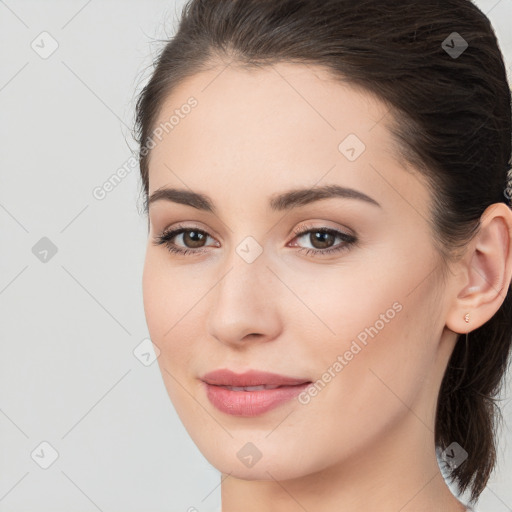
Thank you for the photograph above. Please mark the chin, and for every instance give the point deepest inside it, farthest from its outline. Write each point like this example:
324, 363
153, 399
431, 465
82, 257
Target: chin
232, 459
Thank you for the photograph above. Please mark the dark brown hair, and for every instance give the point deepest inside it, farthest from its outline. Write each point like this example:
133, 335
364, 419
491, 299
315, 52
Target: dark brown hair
450, 117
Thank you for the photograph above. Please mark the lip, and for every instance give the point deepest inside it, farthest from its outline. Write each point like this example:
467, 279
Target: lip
225, 377
250, 403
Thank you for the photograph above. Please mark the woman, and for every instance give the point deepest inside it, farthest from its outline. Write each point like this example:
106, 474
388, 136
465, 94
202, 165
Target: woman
329, 260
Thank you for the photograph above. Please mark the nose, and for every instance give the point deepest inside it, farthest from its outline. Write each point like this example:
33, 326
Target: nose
245, 303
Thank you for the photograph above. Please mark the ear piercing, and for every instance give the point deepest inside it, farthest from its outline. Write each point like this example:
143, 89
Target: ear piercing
466, 318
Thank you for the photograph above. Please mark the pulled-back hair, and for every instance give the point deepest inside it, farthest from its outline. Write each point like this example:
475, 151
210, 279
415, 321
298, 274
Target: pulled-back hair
450, 118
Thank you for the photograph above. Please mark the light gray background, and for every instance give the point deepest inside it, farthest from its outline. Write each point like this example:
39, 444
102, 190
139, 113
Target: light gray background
69, 326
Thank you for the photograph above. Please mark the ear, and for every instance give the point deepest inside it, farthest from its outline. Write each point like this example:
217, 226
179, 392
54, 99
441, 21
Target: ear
484, 272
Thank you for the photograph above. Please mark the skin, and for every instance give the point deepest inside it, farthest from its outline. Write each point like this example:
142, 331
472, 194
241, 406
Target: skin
366, 441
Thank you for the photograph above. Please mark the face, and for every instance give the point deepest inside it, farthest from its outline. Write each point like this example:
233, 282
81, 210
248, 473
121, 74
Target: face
342, 291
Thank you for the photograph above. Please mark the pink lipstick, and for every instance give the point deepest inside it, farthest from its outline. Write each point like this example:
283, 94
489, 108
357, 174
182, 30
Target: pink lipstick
250, 393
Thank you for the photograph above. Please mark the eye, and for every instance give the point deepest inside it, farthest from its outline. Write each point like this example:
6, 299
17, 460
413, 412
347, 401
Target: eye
322, 239
191, 236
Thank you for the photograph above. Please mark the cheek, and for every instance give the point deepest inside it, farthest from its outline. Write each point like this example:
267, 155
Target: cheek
166, 302
171, 298
166, 294
175, 306
373, 334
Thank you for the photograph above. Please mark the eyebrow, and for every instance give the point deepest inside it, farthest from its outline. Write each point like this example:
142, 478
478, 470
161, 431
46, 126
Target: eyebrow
278, 202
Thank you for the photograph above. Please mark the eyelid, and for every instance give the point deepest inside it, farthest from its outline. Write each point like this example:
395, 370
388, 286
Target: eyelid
296, 231
197, 225
307, 226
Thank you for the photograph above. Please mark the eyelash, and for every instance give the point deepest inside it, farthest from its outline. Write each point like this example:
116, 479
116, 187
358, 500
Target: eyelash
165, 237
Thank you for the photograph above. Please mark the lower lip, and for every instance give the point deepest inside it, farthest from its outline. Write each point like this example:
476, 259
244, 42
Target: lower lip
251, 403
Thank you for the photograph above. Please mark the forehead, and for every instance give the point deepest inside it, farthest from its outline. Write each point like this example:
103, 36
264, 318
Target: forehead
242, 103
273, 126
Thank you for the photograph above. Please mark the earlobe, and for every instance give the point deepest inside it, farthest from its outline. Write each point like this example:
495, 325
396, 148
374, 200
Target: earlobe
487, 271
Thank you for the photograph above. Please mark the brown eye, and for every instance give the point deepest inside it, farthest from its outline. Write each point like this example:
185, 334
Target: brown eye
193, 239
321, 239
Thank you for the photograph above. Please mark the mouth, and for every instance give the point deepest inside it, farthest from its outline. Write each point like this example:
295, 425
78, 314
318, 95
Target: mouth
251, 393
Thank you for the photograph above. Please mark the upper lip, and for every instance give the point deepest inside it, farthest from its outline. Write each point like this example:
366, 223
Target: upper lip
225, 377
